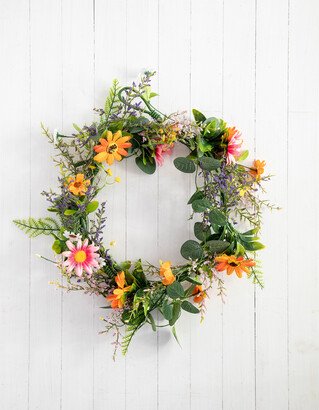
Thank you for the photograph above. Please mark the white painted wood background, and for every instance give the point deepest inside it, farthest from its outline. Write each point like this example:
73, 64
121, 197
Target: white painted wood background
255, 63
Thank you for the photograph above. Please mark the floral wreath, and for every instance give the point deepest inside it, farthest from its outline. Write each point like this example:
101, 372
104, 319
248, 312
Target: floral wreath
226, 194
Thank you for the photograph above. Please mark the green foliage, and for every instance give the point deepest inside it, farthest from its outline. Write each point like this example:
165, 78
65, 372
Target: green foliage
167, 310
175, 290
69, 212
184, 165
147, 165
191, 250
176, 313
129, 333
199, 117
201, 231
257, 275
209, 163
200, 205
214, 128
243, 155
197, 195
216, 246
189, 307
216, 217
92, 207
57, 246
112, 101
35, 227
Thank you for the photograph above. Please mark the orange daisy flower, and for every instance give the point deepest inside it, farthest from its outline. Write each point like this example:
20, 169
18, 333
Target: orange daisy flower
112, 147
77, 185
166, 273
118, 298
199, 294
258, 169
232, 263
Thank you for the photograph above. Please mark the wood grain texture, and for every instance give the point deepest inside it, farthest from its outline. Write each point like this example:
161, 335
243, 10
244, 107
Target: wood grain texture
256, 64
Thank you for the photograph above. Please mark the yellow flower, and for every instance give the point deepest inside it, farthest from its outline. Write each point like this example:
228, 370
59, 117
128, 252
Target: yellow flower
258, 169
117, 179
109, 172
166, 273
231, 263
77, 185
199, 294
112, 243
118, 298
112, 147
242, 192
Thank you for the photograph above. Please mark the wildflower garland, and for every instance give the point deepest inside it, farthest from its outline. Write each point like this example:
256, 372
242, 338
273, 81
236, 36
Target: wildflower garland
226, 193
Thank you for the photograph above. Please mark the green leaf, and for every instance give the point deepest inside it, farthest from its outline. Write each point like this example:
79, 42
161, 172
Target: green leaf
167, 310
196, 195
153, 324
203, 145
189, 307
200, 205
184, 165
53, 210
175, 290
216, 217
77, 128
56, 247
217, 246
112, 100
91, 207
198, 116
194, 281
176, 313
191, 250
215, 127
175, 335
243, 155
201, 231
209, 163
253, 246
149, 167
35, 227
240, 250
125, 265
69, 212
251, 232
139, 274
246, 238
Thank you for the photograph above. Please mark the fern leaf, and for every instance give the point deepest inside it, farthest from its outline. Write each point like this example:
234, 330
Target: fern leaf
129, 333
35, 227
111, 101
257, 275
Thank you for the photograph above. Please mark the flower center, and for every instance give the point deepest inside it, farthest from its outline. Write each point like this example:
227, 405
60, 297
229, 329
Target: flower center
233, 264
77, 184
80, 256
112, 148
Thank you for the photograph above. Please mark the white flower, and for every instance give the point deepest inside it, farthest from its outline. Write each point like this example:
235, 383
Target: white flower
72, 236
101, 262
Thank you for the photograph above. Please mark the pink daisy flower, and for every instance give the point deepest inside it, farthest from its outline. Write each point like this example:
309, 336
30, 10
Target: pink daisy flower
81, 256
234, 145
160, 151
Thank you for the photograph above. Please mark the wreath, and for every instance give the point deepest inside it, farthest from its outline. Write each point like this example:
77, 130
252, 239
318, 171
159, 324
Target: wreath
226, 196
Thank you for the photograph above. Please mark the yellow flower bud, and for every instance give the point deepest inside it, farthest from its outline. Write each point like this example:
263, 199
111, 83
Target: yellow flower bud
117, 179
109, 172
112, 243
